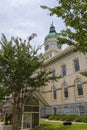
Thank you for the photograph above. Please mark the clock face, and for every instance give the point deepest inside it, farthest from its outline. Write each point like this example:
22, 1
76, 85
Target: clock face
52, 45
46, 47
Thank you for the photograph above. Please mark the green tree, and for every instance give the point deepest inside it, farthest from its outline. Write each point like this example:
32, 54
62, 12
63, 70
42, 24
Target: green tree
3, 91
74, 15
21, 73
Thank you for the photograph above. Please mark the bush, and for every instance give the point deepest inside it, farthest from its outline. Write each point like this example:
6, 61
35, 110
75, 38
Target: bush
79, 119
63, 117
84, 119
52, 117
57, 117
47, 116
68, 118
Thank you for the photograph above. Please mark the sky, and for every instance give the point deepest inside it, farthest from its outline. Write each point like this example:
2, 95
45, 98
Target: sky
23, 17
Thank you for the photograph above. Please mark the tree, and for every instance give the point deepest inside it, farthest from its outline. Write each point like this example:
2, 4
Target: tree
74, 15
3, 91
21, 73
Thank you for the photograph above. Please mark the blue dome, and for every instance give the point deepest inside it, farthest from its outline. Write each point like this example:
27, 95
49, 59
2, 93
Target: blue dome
52, 33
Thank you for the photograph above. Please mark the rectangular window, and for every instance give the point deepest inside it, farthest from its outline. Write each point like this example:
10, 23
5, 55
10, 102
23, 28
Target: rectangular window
65, 91
76, 65
66, 110
80, 88
55, 110
54, 93
28, 108
63, 70
81, 110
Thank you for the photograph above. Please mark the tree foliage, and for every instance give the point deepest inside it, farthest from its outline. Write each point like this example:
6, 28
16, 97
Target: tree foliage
84, 73
21, 73
74, 15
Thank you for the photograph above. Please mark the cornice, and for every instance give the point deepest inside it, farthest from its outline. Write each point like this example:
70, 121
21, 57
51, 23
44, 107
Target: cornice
60, 54
50, 50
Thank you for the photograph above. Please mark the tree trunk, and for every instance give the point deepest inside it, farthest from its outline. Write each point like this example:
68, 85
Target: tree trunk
17, 116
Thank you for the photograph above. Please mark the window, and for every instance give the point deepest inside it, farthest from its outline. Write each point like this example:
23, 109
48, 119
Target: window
81, 110
54, 93
50, 55
46, 47
79, 88
63, 70
65, 91
76, 65
59, 46
53, 73
66, 110
55, 110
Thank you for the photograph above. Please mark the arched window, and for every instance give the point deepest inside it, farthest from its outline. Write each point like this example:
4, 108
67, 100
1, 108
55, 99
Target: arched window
54, 93
79, 88
65, 91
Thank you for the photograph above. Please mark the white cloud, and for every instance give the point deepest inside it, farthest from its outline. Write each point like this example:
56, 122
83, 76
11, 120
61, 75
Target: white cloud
23, 17
24, 24
15, 3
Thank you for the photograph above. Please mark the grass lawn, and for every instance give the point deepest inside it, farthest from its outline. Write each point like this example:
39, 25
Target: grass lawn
46, 125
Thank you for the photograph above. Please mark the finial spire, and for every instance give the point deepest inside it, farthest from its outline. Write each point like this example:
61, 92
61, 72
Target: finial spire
52, 28
52, 23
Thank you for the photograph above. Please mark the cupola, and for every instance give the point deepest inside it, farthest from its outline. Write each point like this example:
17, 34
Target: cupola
51, 45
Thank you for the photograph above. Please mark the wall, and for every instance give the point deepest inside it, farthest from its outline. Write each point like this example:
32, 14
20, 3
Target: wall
70, 79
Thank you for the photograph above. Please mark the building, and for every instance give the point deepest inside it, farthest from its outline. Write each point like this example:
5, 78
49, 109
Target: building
69, 94
30, 116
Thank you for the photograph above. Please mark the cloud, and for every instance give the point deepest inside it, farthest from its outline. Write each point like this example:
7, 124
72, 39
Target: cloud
24, 17
16, 3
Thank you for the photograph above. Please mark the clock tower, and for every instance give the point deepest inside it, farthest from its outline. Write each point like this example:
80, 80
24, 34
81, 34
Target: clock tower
51, 43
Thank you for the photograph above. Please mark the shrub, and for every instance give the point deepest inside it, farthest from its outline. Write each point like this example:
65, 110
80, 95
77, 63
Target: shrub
52, 117
84, 119
68, 118
63, 117
57, 117
47, 116
78, 119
